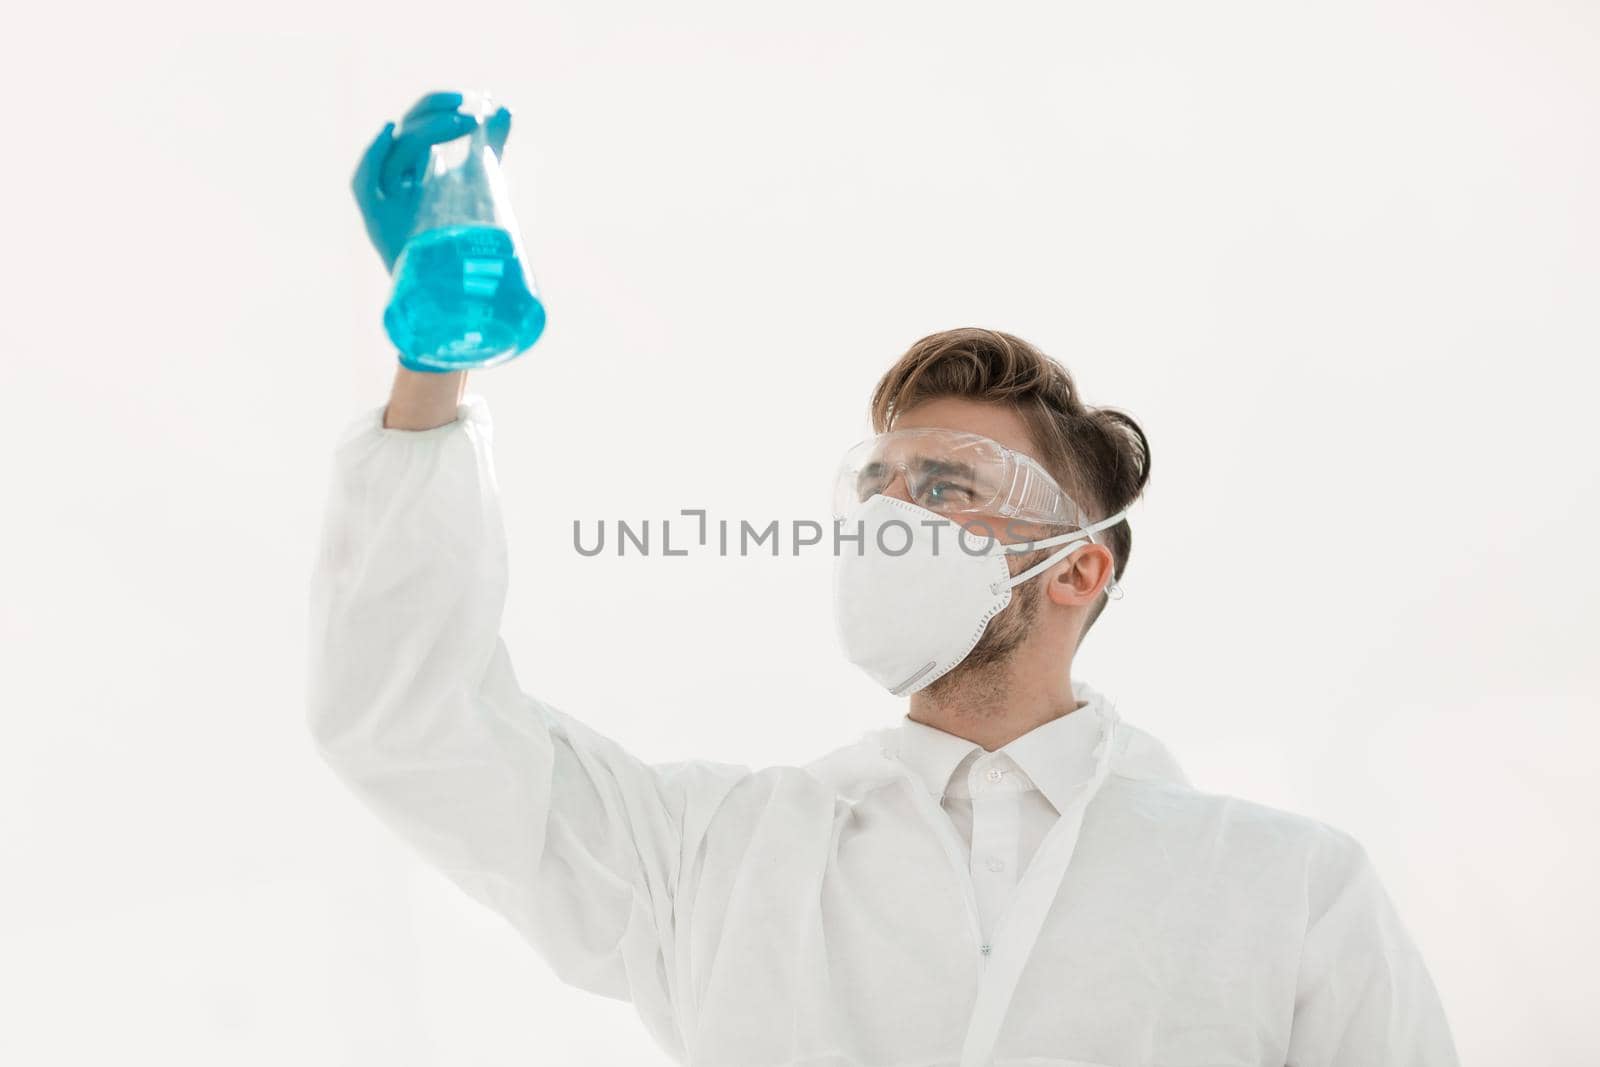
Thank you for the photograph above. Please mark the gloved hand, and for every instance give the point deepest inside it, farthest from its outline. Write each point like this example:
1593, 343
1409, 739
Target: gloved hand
388, 181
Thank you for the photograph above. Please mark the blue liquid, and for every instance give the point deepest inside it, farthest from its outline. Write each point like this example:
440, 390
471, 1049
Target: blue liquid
461, 300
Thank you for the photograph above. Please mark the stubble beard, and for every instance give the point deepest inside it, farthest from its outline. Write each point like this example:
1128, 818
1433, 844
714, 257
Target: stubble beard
982, 681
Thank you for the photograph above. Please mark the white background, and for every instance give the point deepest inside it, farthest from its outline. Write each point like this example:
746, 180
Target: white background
1340, 260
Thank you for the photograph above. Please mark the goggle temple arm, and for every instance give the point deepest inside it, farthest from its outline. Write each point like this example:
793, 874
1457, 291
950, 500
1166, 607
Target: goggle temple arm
1113, 589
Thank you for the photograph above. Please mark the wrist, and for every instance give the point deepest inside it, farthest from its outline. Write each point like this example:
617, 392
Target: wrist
422, 401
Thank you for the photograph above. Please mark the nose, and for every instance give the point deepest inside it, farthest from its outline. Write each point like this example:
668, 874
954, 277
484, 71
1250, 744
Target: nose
898, 487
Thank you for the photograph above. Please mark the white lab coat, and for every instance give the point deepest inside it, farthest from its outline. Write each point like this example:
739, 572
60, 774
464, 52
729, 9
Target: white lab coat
823, 915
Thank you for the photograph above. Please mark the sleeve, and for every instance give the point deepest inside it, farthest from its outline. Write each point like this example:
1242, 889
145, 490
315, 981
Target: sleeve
1364, 997
413, 702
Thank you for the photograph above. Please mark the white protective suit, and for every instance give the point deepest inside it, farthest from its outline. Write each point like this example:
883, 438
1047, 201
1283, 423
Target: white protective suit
826, 914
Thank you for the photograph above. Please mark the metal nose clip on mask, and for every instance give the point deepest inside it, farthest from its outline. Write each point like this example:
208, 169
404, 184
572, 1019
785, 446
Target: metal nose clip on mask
907, 617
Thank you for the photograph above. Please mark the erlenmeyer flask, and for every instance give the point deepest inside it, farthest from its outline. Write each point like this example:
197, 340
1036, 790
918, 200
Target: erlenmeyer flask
463, 296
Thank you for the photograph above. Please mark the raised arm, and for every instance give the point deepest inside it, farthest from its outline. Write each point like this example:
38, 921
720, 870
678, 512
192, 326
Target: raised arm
414, 703
412, 699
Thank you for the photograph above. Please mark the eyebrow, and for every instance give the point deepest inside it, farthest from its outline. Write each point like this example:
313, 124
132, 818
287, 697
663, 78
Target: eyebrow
924, 465
938, 466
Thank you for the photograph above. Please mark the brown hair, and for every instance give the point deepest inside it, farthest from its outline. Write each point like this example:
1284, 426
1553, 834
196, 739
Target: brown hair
1099, 455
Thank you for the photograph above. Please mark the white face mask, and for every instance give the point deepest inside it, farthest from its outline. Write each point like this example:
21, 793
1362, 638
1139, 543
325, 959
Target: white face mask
913, 597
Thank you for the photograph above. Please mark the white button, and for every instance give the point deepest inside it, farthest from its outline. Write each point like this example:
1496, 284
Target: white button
996, 865
994, 775
885, 752
983, 949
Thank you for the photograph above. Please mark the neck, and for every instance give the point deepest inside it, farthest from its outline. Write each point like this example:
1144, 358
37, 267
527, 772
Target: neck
995, 704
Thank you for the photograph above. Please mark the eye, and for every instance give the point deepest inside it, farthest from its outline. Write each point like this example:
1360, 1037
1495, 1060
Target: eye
947, 494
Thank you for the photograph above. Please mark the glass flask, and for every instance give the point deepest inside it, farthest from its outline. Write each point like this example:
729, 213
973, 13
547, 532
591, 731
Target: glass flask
463, 295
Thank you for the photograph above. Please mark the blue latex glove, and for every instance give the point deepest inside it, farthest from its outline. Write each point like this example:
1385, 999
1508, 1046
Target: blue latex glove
388, 181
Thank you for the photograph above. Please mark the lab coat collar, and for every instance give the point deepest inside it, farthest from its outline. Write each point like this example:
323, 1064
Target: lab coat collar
1057, 756
932, 754
868, 763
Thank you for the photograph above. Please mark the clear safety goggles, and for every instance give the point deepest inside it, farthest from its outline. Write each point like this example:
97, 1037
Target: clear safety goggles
954, 474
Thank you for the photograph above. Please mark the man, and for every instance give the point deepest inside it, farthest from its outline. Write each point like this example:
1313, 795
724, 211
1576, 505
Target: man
1010, 875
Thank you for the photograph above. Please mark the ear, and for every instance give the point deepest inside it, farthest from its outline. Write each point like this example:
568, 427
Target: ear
1077, 580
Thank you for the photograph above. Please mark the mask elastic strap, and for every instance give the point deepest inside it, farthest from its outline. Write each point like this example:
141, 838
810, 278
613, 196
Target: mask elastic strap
1112, 590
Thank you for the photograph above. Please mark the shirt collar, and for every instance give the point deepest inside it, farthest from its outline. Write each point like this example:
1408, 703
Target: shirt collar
1056, 756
